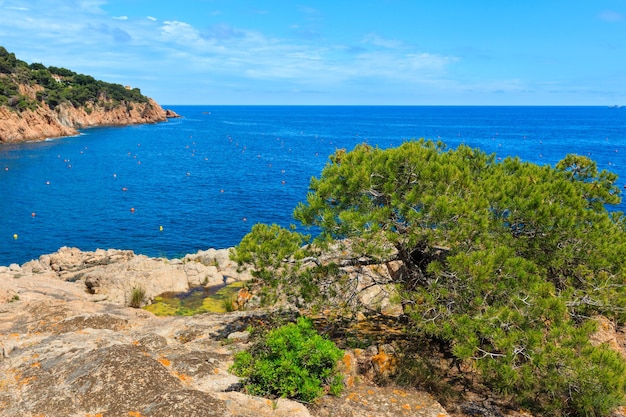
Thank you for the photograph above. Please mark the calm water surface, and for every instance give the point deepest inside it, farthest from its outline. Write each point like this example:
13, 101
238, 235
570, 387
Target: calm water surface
206, 178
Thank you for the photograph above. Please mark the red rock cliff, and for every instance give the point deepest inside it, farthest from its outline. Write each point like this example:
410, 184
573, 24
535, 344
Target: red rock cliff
64, 120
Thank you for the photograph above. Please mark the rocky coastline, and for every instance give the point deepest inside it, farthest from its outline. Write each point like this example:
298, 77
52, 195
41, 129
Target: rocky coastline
71, 346
66, 120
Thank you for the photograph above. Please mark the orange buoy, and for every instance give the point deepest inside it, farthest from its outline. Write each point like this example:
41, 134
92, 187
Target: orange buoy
132, 209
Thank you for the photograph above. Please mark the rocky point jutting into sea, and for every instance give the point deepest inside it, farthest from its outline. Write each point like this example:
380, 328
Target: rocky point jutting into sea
65, 119
38, 102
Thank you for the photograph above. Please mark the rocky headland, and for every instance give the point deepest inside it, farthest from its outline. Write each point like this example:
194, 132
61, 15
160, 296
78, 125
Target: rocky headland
39, 102
65, 120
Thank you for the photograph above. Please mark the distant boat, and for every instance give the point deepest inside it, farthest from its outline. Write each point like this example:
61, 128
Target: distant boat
615, 106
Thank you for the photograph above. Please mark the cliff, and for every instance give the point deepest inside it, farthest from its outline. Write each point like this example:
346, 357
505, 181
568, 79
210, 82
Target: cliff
65, 119
37, 102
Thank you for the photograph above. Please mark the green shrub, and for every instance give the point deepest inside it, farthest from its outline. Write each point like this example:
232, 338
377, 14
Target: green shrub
136, 296
291, 361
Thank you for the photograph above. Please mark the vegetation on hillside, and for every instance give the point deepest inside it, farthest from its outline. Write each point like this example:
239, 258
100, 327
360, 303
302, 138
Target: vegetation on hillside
506, 265
56, 86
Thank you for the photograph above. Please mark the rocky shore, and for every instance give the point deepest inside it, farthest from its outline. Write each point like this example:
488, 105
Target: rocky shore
71, 346
66, 120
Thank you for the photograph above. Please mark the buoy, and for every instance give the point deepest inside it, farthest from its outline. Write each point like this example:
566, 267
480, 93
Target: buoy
15, 236
33, 214
161, 228
47, 182
124, 189
132, 209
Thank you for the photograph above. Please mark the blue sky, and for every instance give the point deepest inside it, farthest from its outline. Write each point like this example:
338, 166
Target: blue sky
406, 52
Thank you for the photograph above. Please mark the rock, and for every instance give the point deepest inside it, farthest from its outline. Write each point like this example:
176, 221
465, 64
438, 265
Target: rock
241, 405
8, 295
242, 336
607, 333
113, 274
373, 401
65, 119
171, 114
67, 352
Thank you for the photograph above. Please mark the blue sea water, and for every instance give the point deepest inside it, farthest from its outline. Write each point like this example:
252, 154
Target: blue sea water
207, 177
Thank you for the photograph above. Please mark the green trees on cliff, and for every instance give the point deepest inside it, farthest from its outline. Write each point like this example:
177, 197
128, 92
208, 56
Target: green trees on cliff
59, 85
507, 265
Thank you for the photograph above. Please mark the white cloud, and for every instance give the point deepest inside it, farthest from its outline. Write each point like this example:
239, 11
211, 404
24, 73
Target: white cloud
19, 9
154, 19
180, 32
120, 17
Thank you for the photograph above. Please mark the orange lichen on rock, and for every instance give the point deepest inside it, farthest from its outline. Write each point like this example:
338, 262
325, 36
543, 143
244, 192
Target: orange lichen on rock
383, 363
243, 296
183, 377
164, 361
347, 361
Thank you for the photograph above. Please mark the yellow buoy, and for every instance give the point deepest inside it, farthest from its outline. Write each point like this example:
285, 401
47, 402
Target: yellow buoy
15, 236
161, 228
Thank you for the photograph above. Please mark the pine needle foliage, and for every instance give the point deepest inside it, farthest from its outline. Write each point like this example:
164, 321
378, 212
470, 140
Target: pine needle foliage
506, 263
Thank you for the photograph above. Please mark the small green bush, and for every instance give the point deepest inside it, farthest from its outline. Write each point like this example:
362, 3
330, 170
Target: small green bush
291, 361
136, 296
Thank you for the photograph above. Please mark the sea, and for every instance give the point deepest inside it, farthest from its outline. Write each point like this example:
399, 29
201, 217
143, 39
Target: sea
203, 180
